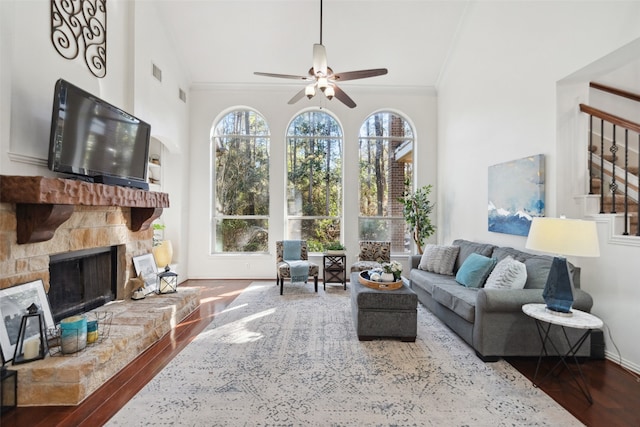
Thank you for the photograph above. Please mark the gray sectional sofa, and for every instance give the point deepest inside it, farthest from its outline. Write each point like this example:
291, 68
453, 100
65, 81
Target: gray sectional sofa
491, 320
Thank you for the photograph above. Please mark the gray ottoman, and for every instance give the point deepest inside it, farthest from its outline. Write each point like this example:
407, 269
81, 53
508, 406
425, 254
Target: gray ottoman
379, 314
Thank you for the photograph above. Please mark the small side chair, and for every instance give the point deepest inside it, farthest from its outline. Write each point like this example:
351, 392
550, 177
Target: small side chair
372, 255
284, 272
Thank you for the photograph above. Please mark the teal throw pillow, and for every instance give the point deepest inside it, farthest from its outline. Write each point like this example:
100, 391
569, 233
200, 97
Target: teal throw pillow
474, 270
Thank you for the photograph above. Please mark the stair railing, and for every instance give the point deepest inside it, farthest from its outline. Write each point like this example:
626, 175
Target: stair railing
627, 126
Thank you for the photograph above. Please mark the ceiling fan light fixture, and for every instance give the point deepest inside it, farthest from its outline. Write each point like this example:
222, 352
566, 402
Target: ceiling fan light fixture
329, 92
310, 91
322, 83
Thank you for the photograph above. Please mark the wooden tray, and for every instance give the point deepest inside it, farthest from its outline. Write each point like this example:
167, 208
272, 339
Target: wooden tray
380, 286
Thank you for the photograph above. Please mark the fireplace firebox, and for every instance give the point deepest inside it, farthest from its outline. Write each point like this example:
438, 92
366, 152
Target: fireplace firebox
82, 280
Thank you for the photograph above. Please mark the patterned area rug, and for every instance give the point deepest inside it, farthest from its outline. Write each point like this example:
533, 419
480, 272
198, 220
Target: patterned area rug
295, 360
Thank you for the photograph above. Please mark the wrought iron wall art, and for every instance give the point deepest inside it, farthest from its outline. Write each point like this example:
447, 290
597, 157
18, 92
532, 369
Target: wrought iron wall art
80, 27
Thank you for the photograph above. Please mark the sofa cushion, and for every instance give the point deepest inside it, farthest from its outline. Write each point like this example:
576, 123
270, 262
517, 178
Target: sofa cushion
467, 248
427, 280
538, 266
475, 270
507, 274
459, 299
439, 259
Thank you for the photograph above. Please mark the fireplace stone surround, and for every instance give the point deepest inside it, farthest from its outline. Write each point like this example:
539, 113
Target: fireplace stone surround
40, 217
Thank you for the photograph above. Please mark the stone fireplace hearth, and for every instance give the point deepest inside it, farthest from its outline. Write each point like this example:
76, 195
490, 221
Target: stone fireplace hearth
44, 217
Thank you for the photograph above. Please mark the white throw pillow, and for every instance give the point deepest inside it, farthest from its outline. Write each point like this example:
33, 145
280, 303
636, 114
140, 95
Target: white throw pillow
439, 259
507, 274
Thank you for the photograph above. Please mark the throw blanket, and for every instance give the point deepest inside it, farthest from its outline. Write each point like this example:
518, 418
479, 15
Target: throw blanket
291, 254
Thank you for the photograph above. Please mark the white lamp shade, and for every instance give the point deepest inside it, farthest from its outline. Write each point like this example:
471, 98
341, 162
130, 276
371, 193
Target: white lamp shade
562, 236
163, 253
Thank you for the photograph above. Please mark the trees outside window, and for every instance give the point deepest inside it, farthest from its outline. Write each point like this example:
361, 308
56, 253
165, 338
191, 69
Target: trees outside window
386, 150
240, 146
314, 179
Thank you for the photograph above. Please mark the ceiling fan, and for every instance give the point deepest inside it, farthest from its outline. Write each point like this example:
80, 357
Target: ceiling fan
322, 77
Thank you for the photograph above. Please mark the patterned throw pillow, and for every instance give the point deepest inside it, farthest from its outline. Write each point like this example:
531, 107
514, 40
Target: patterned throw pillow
507, 274
439, 259
474, 270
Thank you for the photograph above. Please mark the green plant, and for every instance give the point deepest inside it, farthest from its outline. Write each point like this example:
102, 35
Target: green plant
416, 209
334, 246
158, 233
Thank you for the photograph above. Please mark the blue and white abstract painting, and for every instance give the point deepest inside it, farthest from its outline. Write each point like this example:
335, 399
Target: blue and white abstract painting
516, 194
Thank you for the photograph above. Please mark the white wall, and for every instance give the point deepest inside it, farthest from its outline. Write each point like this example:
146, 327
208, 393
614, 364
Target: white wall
498, 101
211, 102
30, 66
159, 104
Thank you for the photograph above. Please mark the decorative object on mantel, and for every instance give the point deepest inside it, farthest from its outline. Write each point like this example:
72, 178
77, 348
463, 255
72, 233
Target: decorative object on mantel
163, 253
32, 337
167, 281
562, 236
80, 27
13, 302
147, 269
516, 195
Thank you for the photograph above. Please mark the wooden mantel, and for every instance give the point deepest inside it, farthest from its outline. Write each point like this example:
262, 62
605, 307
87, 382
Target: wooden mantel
43, 204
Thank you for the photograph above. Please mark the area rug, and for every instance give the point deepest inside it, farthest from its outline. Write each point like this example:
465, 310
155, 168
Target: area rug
295, 360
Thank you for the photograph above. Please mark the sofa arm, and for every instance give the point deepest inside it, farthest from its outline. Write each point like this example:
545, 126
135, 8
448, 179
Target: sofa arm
509, 300
415, 260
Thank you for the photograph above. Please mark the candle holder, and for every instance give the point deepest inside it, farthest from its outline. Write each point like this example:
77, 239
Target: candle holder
167, 281
32, 342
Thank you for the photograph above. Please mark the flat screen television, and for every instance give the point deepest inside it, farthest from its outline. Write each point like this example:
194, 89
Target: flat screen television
95, 140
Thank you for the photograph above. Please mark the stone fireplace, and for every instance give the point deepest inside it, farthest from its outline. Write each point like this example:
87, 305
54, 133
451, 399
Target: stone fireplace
45, 221
82, 280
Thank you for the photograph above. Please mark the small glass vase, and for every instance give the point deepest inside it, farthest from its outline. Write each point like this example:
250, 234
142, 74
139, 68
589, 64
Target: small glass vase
388, 277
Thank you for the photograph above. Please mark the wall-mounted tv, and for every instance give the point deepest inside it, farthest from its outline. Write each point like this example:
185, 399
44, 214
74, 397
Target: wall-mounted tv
95, 140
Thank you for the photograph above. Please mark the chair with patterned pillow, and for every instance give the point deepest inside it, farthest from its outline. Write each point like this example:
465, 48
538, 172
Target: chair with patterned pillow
293, 255
372, 255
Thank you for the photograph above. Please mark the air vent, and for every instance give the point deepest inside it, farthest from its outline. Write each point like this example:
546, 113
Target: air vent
157, 72
182, 95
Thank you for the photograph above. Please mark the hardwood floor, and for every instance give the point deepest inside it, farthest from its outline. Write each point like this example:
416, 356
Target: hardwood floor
616, 393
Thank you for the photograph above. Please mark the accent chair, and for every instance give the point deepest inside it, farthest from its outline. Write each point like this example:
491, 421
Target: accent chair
372, 255
283, 271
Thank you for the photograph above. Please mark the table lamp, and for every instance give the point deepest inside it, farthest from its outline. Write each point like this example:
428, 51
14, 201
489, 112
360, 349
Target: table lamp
562, 237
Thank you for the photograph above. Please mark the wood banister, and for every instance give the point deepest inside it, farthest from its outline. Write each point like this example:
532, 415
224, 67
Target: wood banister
618, 121
615, 91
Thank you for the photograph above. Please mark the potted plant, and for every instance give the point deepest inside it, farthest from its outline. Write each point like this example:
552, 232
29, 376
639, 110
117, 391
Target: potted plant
335, 248
416, 210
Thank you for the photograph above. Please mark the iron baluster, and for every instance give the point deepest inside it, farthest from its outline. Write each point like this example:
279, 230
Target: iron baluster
626, 182
601, 166
613, 187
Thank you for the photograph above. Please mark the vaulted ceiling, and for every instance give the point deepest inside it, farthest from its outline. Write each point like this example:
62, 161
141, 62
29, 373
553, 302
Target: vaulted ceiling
225, 41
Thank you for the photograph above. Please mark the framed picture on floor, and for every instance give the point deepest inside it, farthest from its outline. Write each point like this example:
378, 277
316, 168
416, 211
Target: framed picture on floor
14, 302
147, 269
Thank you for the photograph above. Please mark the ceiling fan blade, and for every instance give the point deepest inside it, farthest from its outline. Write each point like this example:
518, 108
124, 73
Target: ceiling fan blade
343, 97
319, 59
360, 74
297, 97
283, 76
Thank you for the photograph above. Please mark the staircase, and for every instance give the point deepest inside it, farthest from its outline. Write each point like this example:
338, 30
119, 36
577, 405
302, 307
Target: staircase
614, 162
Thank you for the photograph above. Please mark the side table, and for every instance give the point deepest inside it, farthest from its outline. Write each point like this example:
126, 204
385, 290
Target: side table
578, 320
334, 269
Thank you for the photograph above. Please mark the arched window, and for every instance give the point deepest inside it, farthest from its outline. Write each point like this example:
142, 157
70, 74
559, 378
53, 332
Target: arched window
240, 146
314, 179
386, 152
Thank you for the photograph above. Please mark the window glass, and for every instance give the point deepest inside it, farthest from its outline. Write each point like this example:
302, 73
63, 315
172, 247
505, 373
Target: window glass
241, 183
314, 179
386, 155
